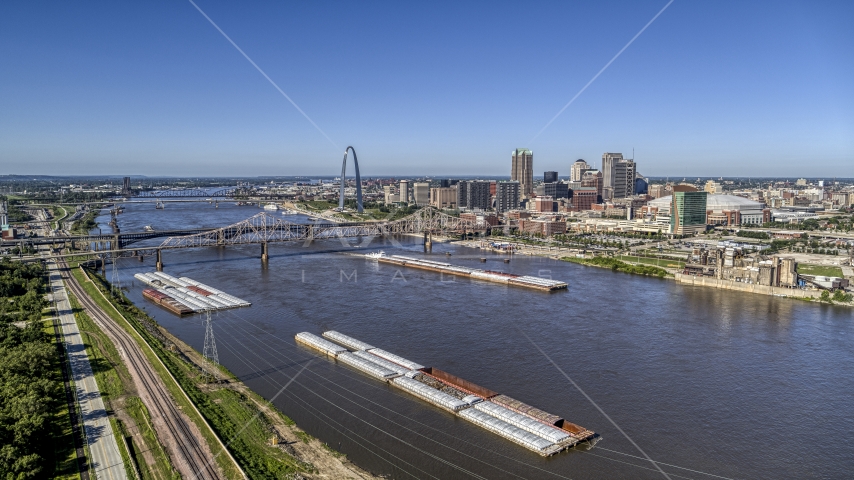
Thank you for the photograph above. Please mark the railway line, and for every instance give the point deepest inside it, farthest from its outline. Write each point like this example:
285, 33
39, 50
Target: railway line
188, 454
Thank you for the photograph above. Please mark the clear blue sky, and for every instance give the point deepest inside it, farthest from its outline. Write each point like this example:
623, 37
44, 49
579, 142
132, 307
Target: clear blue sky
710, 88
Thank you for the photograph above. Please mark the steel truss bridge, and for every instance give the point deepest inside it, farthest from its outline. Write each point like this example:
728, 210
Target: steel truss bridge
195, 192
263, 228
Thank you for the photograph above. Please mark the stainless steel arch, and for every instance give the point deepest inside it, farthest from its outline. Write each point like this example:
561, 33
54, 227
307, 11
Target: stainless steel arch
359, 207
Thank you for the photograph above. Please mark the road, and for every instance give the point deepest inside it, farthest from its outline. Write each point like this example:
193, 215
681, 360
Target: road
180, 437
105, 459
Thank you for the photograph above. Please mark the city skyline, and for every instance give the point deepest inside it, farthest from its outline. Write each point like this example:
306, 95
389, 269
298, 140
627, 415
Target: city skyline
739, 94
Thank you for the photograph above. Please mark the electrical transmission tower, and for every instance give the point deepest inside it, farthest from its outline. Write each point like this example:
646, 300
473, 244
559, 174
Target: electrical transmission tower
210, 346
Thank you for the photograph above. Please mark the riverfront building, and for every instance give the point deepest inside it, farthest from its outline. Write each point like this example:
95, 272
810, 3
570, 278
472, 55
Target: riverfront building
720, 210
473, 195
688, 211
444, 197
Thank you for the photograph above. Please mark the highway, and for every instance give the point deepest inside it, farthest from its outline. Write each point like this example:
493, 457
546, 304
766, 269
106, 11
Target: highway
181, 439
105, 459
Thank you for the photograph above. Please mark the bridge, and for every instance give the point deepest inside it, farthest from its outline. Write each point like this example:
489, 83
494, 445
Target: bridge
195, 192
263, 228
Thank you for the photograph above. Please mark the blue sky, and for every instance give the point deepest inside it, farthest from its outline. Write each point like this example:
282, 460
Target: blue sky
710, 88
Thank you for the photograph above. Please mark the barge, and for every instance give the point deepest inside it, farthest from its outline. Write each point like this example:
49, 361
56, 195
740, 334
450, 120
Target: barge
530, 427
186, 295
527, 281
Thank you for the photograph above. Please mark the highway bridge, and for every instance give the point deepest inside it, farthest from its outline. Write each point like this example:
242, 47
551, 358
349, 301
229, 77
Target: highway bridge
262, 229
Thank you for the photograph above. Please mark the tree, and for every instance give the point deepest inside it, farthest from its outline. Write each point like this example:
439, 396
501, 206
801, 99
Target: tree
825, 296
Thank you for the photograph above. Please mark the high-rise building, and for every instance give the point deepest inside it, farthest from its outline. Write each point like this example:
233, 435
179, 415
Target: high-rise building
473, 194
624, 178
507, 196
403, 191
444, 183
608, 174
713, 187
126, 186
522, 170
549, 177
390, 196
577, 170
421, 193
687, 210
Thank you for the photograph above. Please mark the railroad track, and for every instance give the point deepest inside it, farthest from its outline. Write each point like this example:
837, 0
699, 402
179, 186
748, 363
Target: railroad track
187, 450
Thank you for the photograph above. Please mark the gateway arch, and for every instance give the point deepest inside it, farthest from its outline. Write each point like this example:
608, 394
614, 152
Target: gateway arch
359, 207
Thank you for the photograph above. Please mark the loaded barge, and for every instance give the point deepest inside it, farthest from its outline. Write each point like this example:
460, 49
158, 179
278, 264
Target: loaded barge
475, 273
530, 427
184, 296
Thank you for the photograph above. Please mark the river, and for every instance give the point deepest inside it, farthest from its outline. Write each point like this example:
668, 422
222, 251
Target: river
698, 383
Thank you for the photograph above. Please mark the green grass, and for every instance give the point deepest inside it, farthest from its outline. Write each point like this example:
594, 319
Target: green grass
114, 381
174, 389
618, 266
226, 411
820, 270
658, 262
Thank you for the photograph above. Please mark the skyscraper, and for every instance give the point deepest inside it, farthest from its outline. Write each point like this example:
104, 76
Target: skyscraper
624, 178
577, 170
608, 173
522, 170
506, 196
549, 177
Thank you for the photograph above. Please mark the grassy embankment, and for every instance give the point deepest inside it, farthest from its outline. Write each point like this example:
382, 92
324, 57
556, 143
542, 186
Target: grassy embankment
129, 417
234, 416
618, 266
85, 223
59, 213
820, 270
658, 262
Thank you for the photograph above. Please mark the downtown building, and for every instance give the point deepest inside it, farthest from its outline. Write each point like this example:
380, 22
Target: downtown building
618, 176
687, 210
474, 195
522, 170
507, 196
577, 169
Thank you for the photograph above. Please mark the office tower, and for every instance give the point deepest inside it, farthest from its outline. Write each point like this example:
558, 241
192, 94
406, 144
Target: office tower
507, 196
444, 183
687, 210
421, 193
549, 177
522, 170
126, 186
577, 170
403, 191
608, 161
623, 178
556, 190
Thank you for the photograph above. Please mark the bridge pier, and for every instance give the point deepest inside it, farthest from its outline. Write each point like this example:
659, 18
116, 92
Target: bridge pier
159, 264
104, 265
264, 253
428, 241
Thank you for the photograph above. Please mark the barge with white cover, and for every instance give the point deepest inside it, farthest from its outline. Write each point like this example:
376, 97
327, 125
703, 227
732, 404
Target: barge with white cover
184, 295
530, 427
527, 281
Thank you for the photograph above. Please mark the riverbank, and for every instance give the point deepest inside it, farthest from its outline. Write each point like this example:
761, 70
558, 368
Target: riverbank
261, 439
